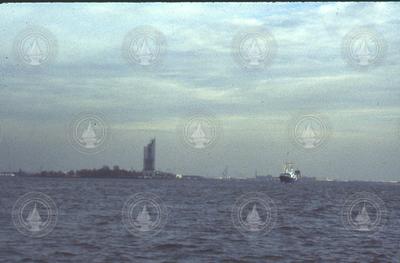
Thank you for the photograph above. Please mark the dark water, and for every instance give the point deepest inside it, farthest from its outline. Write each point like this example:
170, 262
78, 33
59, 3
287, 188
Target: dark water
199, 226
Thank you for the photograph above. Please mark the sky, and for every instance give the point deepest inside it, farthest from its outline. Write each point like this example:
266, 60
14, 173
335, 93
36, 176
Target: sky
255, 109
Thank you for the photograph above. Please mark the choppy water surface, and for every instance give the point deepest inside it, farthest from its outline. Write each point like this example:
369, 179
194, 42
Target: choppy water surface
199, 226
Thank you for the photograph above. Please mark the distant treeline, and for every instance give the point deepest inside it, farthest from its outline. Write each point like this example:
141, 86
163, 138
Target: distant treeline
105, 171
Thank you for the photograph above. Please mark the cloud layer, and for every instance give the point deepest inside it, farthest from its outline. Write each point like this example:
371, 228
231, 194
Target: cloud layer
308, 74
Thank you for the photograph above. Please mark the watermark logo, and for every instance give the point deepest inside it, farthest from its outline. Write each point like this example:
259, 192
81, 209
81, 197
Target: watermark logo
88, 133
254, 48
363, 47
364, 212
200, 132
144, 46
254, 214
35, 46
144, 214
35, 214
309, 132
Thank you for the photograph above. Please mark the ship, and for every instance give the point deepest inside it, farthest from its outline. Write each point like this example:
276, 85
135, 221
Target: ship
289, 175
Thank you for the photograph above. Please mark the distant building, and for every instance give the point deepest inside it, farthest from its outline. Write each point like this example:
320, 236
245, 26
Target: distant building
7, 174
149, 158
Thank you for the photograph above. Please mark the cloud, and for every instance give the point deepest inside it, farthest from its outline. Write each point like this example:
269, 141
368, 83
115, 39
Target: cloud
307, 73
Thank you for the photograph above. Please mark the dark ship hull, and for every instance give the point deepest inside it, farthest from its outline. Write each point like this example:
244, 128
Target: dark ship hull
286, 178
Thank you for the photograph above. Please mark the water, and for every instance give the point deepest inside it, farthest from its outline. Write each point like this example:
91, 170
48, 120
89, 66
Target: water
199, 226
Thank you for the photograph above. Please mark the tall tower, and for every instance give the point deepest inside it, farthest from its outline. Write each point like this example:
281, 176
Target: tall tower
149, 157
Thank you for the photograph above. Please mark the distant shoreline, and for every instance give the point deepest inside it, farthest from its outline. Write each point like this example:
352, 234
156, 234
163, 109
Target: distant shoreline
106, 173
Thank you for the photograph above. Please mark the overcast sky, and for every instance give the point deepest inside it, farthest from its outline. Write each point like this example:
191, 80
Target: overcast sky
308, 75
